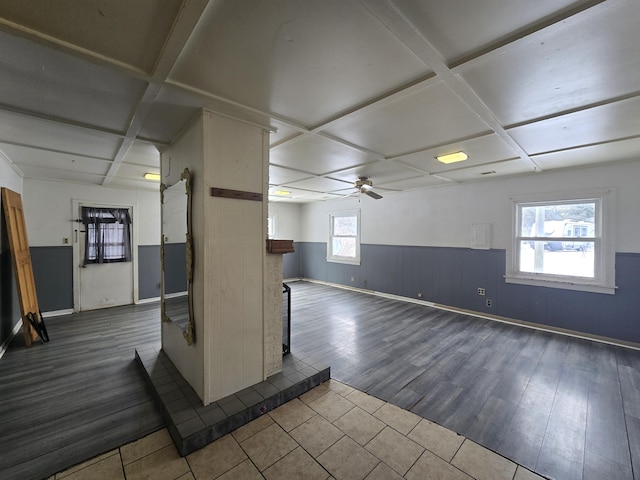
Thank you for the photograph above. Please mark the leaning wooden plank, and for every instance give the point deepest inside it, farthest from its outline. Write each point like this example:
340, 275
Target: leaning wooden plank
19, 245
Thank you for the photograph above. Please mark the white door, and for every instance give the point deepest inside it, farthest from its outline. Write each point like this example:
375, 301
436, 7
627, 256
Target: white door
101, 285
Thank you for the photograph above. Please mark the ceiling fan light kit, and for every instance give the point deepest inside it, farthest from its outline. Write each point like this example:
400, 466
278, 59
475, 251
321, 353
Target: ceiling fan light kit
365, 185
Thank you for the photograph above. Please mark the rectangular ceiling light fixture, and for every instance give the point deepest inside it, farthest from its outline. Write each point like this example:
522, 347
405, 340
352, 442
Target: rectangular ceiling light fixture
152, 176
452, 157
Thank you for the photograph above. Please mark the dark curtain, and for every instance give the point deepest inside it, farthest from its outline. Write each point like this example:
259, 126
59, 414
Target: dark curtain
108, 234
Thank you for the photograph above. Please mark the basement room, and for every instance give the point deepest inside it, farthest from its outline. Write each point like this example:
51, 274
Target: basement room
349, 239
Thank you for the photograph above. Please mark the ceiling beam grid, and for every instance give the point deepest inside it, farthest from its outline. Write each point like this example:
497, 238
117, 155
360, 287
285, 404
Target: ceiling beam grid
391, 17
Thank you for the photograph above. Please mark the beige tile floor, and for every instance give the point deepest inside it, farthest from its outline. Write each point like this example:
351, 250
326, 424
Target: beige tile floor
330, 432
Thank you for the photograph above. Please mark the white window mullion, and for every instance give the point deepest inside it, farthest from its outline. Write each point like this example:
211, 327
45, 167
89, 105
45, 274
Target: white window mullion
558, 242
343, 245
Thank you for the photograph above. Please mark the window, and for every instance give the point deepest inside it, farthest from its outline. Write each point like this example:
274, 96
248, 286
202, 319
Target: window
108, 236
344, 237
271, 227
563, 241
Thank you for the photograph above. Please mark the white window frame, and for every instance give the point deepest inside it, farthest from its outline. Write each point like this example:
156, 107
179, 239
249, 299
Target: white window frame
337, 258
604, 242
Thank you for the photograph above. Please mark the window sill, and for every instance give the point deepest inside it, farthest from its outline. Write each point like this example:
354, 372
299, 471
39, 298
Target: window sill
345, 260
563, 284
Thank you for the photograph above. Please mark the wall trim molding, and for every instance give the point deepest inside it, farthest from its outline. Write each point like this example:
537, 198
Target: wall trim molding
58, 313
297, 279
496, 318
148, 300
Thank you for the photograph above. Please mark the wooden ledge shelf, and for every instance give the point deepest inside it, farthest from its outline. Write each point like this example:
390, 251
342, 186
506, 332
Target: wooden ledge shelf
280, 246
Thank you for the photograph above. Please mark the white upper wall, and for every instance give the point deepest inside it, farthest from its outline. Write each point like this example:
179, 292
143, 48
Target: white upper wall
49, 214
443, 216
8, 176
287, 220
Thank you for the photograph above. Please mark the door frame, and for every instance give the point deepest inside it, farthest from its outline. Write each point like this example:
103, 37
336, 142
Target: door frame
76, 228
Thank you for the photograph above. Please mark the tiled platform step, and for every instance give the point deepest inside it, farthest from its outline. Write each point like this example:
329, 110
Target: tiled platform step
193, 426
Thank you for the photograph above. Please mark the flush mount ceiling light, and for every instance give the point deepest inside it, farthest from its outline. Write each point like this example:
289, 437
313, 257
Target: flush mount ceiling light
152, 176
452, 157
281, 193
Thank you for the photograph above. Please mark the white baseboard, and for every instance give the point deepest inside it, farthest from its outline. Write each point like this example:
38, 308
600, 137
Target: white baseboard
58, 313
174, 295
289, 280
148, 300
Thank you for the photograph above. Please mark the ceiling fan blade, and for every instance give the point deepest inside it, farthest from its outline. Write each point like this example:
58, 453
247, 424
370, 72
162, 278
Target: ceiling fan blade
373, 194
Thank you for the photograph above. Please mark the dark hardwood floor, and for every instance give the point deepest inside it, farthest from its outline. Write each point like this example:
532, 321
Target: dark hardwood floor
566, 408
77, 396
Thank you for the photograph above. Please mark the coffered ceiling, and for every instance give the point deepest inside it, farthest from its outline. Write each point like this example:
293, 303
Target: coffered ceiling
91, 90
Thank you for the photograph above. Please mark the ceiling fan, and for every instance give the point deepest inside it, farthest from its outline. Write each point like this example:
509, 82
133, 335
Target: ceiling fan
365, 185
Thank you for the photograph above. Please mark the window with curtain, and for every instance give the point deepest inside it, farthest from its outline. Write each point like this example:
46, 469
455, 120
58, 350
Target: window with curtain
108, 235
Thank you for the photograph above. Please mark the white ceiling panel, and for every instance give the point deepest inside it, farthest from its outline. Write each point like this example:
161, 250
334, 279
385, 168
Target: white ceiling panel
431, 116
481, 172
36, 157
586, 59
595, 154
301, 60
282, 133
316, 154
379, 172
319, 184
171, 112
413, 183
135, 172
38, 79
300, 196
607, 122
142, 153
482, 150
135, 184
130, 32
24, 130
457, 28
73, 176
280, 175
353, 87
174, 108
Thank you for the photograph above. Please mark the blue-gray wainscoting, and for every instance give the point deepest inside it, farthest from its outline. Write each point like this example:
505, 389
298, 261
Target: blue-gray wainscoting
291, 264
149, 271
175, 268
53, 274
451, 276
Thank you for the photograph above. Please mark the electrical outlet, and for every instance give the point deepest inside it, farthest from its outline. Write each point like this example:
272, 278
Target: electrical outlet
419, 295
353, 279
488, 302
481, 291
